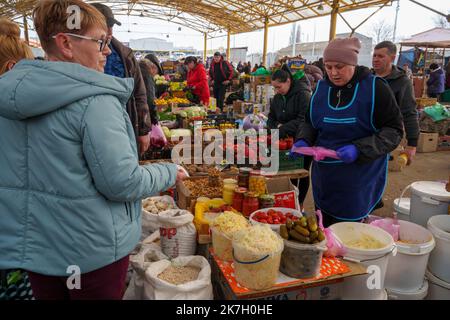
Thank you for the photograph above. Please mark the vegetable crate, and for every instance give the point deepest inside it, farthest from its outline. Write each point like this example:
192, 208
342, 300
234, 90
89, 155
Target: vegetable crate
288, 164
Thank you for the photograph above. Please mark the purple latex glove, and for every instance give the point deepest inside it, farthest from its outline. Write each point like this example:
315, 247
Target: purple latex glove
348, 153
299, 144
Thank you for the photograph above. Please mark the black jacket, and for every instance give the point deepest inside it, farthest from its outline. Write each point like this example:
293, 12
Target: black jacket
387, 118
403, 91
289, 110
220, 72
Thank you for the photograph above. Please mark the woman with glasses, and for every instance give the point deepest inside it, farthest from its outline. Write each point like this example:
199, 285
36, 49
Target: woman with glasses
70, 184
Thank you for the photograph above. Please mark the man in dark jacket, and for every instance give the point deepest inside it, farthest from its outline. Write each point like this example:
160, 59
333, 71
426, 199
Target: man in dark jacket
122, 63
401, 86
220, 73
436, 82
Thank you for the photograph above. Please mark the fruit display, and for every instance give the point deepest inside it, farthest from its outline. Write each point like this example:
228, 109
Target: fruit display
274, 217
160, 80
192, 112
160, 102
304, 230
177, 86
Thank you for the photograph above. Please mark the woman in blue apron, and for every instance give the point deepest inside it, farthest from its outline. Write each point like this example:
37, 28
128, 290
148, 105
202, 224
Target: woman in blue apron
354, 113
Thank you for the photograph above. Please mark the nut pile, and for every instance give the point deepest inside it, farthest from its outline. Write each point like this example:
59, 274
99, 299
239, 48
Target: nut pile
179, 275
155, 206
200, 187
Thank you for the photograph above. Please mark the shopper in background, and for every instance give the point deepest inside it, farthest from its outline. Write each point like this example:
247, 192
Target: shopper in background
354, 113
436, 82
71, 184
121, 63
382, 62
197, 79
149, 71
220, 74
287, 113
154, 59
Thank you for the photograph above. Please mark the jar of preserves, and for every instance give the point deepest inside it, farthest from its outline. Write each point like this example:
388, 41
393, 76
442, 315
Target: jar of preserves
243, 178
228, 192
266, 201
250, 204
257, 183
238, 198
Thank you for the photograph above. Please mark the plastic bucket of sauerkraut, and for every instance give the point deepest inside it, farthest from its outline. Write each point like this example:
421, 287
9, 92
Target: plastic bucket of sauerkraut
257, 255
371, 246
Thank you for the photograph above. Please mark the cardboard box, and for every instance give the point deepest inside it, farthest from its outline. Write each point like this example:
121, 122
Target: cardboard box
260, 80
444, 143
285, 193
428, 142
237, 106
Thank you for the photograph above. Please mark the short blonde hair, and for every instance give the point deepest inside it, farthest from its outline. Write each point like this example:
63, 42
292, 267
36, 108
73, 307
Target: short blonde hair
12, 48
51, 17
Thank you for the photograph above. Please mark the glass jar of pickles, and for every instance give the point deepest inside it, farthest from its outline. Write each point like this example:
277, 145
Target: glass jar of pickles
229, 185
257, 183
266, 201
243, 178
250, 204
238, 198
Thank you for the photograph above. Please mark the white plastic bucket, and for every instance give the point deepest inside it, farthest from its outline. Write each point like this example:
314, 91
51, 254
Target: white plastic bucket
369, 286
414, 295
402, 208
438, 289
406, 270
428, 198
439, 263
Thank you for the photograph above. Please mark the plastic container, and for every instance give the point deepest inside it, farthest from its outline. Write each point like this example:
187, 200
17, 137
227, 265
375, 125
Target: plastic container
402, 208
406, 271
439, 263
238, 198
437, 289
256, 271
274, 227
222, 245
368, 286
428, 198
419, 294
302, 261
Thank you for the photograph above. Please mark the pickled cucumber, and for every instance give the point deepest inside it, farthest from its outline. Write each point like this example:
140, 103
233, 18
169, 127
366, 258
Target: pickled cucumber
290, 224
312, 223
303, 222
303, 231
284, 232
297, 236
314, 235
321, 235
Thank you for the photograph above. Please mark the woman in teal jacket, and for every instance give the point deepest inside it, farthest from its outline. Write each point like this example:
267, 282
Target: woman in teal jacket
70, 181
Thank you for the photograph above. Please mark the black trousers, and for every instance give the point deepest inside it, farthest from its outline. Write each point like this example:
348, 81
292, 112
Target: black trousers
219, 94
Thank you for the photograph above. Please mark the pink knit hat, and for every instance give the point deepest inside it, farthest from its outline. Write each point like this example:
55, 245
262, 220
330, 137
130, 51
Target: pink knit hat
343, 50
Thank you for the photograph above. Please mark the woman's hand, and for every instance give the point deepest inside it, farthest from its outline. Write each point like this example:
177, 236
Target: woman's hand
348, 153
181, 173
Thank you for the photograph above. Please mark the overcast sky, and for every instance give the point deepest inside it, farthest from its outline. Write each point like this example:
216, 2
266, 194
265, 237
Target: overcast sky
412, 19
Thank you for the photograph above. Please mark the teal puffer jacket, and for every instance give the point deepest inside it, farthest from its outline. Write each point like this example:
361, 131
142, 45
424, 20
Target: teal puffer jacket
70, 182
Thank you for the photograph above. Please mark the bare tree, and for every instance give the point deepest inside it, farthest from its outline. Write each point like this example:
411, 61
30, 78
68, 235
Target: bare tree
381, 31
441, 21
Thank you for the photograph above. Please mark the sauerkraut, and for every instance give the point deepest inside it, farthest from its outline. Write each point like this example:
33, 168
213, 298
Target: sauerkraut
224, 226
257, 255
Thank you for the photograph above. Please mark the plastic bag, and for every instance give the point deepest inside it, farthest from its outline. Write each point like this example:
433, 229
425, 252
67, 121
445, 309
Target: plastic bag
389, 225
157, 137
150, 222
253, 122
437, 112
318, 153
334, 246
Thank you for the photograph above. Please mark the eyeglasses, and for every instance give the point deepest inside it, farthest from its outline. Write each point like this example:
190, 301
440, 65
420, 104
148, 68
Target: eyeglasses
102, 42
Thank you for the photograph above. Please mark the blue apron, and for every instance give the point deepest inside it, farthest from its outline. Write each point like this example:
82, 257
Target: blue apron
346, 191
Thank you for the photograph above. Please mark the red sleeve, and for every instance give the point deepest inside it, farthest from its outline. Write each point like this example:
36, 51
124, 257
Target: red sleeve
231, 71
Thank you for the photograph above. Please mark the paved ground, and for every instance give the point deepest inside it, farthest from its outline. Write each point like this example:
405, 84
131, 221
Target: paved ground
427, 166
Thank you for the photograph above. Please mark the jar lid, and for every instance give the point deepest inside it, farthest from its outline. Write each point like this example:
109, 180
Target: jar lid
240, 190
267, 197
245, 170
229, 181
251, 195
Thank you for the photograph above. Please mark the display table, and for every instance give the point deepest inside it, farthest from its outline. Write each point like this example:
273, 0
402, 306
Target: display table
327, 286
